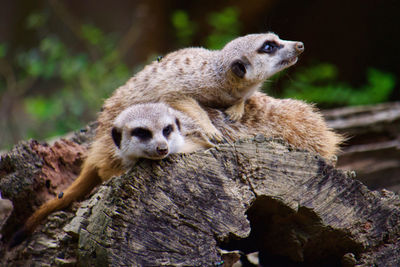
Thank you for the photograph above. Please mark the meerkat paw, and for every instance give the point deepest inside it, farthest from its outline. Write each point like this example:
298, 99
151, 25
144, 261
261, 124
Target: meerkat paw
236, 111
214, 135
234, 116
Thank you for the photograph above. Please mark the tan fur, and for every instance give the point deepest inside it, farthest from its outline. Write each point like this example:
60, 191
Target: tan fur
296, 122
191, 77
188, 80
98, 167
162, 131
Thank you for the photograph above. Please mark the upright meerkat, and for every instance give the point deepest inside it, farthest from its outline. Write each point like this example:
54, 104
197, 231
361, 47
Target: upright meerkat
193, 77
186, 80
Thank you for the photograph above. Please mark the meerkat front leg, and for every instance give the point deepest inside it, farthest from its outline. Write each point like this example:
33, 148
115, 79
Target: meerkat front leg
236, 111
191, 107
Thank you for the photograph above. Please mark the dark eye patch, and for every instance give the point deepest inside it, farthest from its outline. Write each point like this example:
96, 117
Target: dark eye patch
167, 130
269, 47
141, 133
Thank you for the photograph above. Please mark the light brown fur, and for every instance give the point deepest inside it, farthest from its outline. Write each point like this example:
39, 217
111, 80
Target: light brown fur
153, 131
187, 80
296, 122
192, 77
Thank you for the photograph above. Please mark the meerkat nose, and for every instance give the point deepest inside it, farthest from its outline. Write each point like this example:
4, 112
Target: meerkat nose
299, 47
162, 151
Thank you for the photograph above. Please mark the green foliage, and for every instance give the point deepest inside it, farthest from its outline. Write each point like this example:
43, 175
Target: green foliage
3, 50
81, 80
92, 34
226, 26
319, 84
36, 20
184, 27
41, 108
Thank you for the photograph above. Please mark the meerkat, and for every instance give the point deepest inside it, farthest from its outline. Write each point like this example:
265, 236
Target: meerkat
190, 78
187, 80
152, 131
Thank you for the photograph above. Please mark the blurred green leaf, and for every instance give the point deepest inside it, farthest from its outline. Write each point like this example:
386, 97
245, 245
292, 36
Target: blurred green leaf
36, 20
42, 108
72, 67
225, 19
322, 72
48, 70
184, 27
93, 34
318, 84
34, 66
53, 48
226, 26
3, 50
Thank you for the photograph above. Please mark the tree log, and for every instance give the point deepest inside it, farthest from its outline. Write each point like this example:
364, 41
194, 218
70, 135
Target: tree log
373, 147
256, 195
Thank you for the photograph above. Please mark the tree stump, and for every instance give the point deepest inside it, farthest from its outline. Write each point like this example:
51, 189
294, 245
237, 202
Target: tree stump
255, 195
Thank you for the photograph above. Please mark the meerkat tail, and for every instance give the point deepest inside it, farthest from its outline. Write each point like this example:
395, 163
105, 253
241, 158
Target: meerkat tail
86, 181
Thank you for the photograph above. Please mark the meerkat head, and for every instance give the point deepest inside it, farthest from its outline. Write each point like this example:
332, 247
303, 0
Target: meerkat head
146, 131
256, 57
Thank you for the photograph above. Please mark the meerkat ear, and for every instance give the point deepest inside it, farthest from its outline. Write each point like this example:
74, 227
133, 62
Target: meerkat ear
238, 67
116, 136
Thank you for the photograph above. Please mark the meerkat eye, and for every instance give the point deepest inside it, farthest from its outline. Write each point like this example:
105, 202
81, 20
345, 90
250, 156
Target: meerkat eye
167, 130
141, 133
269, 47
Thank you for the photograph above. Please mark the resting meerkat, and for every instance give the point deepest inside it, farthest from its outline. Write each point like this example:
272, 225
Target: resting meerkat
152, 131
187, 80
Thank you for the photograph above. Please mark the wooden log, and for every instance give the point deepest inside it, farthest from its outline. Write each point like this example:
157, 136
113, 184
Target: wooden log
254, 195
374, 141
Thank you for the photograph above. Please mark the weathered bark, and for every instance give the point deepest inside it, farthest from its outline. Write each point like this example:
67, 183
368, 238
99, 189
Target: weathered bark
373, 148
255, 195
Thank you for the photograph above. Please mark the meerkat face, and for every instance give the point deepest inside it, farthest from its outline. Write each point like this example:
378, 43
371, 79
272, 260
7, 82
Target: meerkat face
147, 131
256, 57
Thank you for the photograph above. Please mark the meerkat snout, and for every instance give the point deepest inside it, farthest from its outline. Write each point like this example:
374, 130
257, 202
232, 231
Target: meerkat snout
299, 47
162, 149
